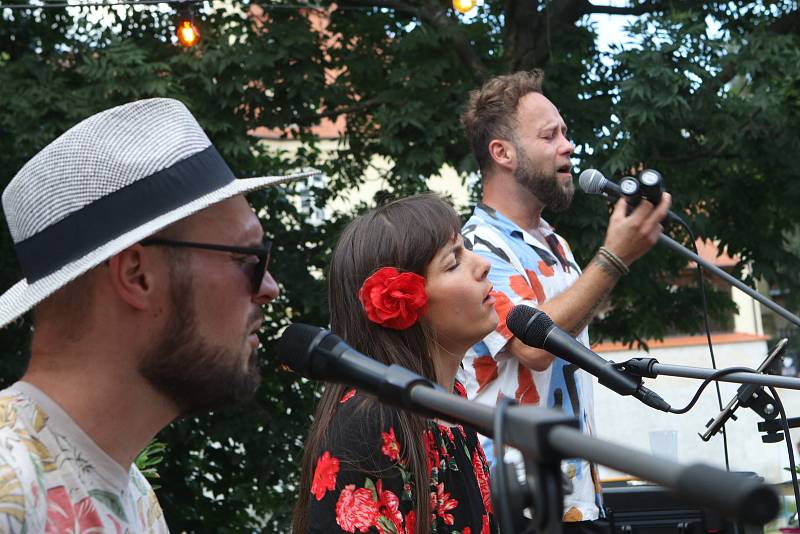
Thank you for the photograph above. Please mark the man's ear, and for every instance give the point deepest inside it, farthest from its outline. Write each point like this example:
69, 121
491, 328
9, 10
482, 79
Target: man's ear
503, 154
134, 274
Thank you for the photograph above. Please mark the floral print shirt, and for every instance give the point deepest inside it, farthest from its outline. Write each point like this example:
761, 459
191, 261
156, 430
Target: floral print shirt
530, 268
55, 479
360, 483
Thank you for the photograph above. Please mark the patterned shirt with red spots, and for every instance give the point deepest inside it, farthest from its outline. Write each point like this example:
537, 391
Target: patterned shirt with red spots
529, 267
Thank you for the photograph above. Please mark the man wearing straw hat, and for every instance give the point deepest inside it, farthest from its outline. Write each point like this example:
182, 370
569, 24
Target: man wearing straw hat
146, 270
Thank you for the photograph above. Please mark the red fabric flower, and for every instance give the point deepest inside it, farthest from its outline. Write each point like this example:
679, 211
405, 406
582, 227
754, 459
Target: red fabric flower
391, 447
483, 480
356, 509
324, 475
394, 299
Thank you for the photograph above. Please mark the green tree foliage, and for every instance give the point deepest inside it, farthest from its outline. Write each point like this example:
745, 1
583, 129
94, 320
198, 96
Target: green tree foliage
705, 92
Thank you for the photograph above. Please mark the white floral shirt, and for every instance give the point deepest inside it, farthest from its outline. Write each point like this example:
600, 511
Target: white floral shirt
54, 478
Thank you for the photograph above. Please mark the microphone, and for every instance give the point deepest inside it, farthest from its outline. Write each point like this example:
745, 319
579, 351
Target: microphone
744, 395
316, 353
534, 328
592, 182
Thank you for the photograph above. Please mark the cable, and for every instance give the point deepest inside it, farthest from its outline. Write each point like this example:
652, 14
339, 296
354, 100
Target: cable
788, 438
706, 324
713, 376
502, 501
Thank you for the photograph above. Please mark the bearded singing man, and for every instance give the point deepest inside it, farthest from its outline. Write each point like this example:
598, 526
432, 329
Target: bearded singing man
520, 142
146, 270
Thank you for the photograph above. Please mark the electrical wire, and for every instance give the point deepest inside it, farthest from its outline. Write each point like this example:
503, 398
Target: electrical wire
788, 438
706, 324
502, 504
707, 381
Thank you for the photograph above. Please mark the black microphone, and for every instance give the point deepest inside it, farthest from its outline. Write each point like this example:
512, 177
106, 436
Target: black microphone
744, 395
592, 182
316, 353
534, 328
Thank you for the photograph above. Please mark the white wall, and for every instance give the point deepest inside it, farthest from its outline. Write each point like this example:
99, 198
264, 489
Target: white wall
626, 421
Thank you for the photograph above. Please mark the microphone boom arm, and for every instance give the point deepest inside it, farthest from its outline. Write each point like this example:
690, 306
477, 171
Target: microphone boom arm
719, 273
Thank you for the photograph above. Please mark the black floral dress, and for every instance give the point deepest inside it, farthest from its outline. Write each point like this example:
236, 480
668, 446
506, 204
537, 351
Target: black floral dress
361, 485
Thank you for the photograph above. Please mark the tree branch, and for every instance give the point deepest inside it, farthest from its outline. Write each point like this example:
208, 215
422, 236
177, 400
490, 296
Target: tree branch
435, 15
313, 118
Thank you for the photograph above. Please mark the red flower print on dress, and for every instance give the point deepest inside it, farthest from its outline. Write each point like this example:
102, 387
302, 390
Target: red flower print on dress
432, 452
443, 504
526, 388
394, 299
483, 480
390, 519
411, 523
391, 447
485, 371
502, 305
447, 431
356, 509
485, 525
324, 475
349, 394
62, 516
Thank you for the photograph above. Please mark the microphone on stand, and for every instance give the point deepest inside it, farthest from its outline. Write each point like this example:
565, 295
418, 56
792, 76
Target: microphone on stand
318, 354
592, 182
534, 328
744, 395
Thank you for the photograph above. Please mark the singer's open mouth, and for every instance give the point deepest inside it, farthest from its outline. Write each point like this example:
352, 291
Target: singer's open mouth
488, 294
566, 169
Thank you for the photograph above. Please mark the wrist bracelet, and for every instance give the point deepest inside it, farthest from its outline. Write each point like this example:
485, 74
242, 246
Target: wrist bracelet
614, 260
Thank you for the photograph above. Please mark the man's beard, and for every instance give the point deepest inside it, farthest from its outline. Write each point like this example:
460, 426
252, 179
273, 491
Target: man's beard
546, 187
196, 375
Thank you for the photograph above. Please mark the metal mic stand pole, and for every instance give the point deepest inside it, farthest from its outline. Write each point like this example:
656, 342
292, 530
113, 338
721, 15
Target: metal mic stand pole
545, 435
680, 249
650, 368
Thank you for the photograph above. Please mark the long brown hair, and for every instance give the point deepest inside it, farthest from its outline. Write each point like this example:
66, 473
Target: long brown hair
405, 234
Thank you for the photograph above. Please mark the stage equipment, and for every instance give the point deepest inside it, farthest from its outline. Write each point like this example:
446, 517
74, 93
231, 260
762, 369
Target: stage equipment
749, 396
535, 328
593, 182
650, 509
544, 436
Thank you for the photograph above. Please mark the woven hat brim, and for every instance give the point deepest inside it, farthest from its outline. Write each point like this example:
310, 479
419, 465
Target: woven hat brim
22, 296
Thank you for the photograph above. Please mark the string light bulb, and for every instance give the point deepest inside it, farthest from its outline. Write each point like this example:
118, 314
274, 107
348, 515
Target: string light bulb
464, 6
187, 33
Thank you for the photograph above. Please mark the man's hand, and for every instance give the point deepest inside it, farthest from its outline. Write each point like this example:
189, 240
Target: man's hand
629, 237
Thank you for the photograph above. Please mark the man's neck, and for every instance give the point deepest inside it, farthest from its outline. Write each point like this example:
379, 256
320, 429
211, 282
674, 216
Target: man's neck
118, 410
504, 194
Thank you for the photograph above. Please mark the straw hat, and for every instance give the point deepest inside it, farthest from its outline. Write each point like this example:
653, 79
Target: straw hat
106, 184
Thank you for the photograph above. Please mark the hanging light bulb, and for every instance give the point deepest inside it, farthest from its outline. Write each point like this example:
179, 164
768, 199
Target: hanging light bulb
464, 6
187, 33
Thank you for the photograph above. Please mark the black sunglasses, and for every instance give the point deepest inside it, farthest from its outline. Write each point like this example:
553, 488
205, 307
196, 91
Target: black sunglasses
258, 269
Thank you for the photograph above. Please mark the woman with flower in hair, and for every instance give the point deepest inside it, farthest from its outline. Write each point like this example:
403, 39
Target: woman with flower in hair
403, 290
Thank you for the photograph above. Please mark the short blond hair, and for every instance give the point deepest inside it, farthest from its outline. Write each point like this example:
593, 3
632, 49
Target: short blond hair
491, 112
